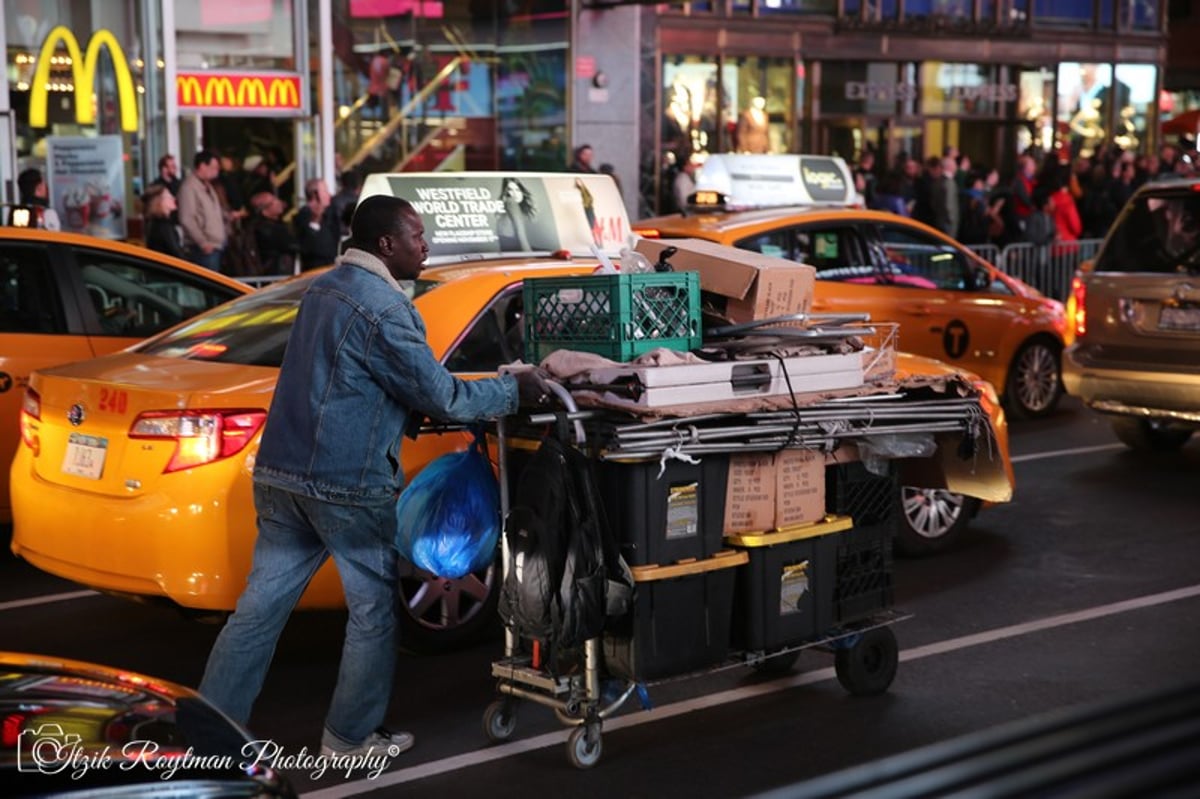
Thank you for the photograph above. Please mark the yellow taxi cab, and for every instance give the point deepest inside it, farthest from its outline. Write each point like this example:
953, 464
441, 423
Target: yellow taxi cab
65, 297
153, 448
950, 303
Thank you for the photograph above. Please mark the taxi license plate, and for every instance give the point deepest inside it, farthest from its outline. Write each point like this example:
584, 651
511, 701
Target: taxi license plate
1179, 319
85, 456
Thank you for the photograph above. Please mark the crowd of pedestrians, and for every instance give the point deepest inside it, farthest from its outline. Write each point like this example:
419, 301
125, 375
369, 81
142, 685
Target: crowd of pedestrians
232, 217
1050, 197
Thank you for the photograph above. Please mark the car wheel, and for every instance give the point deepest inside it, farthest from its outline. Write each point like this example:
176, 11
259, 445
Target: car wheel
1149, 435
1034, 380
932, 519
437, 614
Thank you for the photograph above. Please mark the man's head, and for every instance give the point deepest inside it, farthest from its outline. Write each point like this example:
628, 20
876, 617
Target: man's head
583, 154
316, 191
350, 182
266, 204
207, 165
167, 167
391, 229
30, 185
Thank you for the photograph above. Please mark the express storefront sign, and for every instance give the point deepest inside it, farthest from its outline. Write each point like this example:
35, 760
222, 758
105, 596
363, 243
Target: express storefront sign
231, 93
891, 92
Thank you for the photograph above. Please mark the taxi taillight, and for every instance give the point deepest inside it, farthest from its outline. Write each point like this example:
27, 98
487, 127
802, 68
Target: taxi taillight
648, 233
1077, 308
200, 436
31, 412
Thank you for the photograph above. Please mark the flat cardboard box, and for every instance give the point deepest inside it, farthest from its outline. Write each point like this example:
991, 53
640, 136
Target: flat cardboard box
754, 286
769, 491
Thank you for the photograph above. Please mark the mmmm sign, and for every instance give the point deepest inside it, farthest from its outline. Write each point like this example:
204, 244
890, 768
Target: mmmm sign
250, 92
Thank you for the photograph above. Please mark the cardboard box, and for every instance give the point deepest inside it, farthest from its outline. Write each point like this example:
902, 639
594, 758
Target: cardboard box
769, 491
752, 285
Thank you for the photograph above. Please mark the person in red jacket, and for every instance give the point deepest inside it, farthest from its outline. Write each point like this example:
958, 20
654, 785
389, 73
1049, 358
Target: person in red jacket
1067, 223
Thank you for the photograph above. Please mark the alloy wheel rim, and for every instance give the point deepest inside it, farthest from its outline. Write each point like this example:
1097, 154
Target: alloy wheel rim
931, 512
1037, 378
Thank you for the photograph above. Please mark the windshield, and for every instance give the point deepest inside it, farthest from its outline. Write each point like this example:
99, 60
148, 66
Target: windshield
252, 330
1157, 233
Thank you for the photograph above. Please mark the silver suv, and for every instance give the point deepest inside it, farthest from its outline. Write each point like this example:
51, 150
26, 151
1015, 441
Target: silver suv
1134, 313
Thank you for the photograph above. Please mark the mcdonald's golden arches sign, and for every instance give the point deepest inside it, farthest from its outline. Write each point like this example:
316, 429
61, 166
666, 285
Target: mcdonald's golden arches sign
258, 93
83, 74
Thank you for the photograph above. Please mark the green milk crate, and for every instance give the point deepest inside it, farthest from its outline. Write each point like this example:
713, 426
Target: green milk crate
619, 316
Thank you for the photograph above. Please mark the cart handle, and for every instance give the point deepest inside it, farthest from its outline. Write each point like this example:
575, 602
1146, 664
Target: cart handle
568, 402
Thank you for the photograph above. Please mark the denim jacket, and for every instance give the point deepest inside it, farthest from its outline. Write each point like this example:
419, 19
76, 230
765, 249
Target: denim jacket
357, 365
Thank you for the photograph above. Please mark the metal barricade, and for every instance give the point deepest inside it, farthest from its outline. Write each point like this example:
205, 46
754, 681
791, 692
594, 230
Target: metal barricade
988, 252
259, 281
1048, 268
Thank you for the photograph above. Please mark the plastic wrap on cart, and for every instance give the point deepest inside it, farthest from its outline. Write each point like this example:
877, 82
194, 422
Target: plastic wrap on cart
491, 213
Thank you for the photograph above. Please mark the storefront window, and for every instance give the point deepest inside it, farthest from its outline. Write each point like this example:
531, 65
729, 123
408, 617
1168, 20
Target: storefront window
691, 104
1141, 15
531, 103
224, 34
1062, 12
964, 90
1034, 109
1129, 132
1014, 12
1085, 105
797, 6
759, 111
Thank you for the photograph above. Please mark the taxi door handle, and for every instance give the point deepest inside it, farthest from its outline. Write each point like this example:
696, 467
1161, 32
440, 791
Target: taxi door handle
920, 310
820, 305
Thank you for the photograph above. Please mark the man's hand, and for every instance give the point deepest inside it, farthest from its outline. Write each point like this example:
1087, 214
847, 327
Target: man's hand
533, 390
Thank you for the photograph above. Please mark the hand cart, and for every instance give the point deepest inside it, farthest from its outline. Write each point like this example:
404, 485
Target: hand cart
865, 649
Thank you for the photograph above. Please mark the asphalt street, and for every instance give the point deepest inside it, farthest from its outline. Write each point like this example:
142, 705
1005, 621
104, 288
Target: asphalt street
1083, 588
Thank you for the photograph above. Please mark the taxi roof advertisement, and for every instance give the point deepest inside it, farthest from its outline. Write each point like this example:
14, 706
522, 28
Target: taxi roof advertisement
488, 213
775, 180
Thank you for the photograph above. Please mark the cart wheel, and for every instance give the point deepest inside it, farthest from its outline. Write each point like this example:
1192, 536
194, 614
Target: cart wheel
584, 746
868, 667
499, 720
777, 664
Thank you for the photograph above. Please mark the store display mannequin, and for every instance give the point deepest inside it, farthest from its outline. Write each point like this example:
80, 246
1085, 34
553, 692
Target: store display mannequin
1086, 125
1126, 137
752, 128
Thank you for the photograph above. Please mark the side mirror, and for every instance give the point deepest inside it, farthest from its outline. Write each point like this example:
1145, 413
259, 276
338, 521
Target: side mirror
981, 279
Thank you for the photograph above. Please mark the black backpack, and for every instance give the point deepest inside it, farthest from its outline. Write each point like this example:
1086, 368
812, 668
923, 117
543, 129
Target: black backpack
566, 577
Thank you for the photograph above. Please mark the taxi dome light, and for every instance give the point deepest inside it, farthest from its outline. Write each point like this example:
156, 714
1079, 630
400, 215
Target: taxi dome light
773, 181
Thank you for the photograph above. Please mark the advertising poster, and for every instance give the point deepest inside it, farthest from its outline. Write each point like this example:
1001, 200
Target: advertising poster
86, 178
512, 213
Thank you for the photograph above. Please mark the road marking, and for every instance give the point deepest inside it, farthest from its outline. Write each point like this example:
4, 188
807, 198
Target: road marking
492, 753
1058, 453
1062, 453
46, 599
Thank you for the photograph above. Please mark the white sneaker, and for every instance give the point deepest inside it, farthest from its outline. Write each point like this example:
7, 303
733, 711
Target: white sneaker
380, 742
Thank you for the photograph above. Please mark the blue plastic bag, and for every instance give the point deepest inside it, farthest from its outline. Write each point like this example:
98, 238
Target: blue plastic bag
448, 517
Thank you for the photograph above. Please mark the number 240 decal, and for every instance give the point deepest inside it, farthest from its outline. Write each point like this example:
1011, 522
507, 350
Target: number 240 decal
113, 400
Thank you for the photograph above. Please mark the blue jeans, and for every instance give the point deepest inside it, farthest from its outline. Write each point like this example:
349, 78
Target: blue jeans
295, 536
210, 260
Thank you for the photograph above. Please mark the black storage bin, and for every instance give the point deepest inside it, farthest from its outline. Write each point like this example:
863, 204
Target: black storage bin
784, 594
662, 520
680, 620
